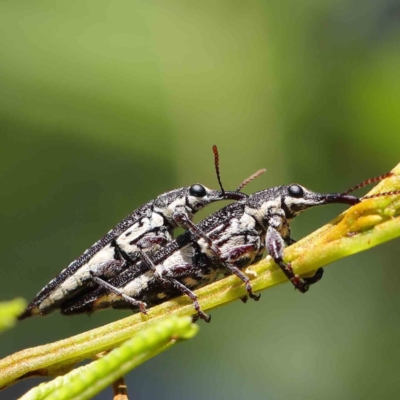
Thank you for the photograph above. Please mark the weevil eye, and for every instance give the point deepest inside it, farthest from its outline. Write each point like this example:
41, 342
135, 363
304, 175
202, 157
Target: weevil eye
296, 191
197, 190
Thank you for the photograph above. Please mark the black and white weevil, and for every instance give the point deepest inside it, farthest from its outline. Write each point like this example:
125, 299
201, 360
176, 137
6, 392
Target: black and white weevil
147, 229
239, 233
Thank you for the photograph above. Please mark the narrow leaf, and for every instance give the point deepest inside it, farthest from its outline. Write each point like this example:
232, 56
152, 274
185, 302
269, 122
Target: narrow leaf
85, 382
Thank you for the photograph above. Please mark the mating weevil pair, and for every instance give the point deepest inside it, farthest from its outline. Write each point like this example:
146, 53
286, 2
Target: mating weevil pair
232, 239
224, 243
147, 229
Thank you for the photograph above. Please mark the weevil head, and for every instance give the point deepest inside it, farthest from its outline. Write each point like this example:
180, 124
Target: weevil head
191, 199
297, 198
289, 201
199, 196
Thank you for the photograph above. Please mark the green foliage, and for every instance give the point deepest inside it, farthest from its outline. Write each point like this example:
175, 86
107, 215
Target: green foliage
9, 311
84, 382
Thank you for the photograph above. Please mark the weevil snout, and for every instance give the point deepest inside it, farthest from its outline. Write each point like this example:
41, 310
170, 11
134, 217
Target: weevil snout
339, 198
216, 195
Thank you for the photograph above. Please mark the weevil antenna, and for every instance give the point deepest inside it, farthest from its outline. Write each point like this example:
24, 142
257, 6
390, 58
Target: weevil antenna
368, 182
372, 196
216, 163
250, 179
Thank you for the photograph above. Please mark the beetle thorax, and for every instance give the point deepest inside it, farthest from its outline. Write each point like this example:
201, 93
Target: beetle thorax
269, 213
169, 210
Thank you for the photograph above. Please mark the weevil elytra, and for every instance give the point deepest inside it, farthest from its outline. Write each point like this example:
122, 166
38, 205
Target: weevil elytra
148, 228
239, 233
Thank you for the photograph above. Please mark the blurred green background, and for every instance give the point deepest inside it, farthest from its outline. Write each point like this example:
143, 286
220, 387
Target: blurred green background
104, 105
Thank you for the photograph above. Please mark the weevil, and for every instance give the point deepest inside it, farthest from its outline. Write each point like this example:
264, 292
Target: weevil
233, 238
146, 229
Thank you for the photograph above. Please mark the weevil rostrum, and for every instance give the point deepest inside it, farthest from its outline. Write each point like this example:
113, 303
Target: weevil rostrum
232, 239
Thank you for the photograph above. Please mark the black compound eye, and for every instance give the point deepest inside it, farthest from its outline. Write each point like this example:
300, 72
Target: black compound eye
296, 191
197, 190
